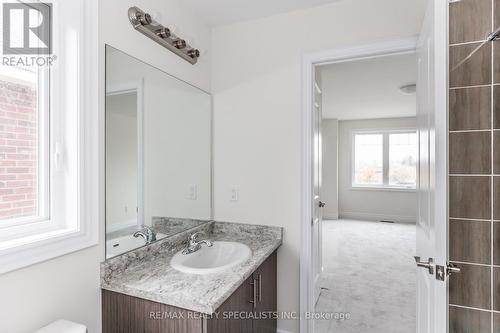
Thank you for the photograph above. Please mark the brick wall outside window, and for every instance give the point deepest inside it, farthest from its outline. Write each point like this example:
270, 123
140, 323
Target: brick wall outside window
18, 150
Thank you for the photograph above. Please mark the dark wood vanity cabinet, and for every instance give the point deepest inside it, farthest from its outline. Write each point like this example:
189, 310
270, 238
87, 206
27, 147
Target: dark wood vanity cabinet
255, 298
250, 309
265, 280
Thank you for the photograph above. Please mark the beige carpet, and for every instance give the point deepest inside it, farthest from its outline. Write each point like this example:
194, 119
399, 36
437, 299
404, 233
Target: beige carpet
369, 272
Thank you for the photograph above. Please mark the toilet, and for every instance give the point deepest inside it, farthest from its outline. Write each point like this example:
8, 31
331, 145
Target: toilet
63, 326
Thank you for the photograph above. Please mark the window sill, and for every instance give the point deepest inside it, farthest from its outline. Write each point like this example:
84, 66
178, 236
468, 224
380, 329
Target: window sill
382, 189
22, 252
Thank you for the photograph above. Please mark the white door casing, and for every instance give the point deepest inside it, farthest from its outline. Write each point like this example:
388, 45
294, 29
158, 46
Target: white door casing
309, 61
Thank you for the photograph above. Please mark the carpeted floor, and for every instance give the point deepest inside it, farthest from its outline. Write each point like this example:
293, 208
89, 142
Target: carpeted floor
369, 273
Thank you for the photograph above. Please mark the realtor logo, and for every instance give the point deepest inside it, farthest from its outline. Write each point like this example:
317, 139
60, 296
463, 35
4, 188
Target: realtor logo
27, 28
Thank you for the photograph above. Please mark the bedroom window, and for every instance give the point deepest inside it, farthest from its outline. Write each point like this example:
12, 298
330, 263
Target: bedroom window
384, 159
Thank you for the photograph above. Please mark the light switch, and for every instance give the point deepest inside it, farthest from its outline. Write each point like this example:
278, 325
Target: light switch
234, 194
193, 192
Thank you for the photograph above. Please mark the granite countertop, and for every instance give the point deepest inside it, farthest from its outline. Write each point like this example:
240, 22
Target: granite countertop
146, 272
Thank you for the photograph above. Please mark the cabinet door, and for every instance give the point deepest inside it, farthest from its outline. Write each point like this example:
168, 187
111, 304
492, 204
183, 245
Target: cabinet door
239, 303
266, 305
127, 314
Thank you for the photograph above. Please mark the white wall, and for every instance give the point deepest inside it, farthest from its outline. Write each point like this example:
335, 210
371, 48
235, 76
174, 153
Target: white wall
329, 188
65, 287
256, 84
371, 204
68, 287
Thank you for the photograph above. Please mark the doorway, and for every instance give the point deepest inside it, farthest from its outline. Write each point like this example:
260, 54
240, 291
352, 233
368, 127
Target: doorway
124, 160
366, 279
431, 181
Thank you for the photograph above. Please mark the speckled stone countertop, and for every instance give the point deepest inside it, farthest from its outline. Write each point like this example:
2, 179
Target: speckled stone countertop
146, 272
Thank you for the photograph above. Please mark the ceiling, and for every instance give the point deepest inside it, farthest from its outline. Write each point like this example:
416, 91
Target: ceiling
221, 12
369, 89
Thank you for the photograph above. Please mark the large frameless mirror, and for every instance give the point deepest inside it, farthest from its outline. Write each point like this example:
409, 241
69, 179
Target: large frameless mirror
158, 154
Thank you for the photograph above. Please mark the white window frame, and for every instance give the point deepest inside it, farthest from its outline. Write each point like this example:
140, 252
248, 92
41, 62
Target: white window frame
385, 186
29, 225
75, 228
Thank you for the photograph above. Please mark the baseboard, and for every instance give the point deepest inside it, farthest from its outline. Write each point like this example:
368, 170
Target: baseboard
120, 225
377, 217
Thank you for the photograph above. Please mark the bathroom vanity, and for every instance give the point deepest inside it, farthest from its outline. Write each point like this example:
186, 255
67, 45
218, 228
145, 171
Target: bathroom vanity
142, 292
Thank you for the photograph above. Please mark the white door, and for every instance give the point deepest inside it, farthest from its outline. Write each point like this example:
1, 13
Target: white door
432, 171
317, 203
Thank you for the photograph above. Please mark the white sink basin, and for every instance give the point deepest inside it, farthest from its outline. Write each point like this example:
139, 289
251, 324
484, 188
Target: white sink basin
207, 260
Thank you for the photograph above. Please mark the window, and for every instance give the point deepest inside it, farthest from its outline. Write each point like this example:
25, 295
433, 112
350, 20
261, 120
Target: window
385, 159
49, 148
23, 146
368, 160
403, 159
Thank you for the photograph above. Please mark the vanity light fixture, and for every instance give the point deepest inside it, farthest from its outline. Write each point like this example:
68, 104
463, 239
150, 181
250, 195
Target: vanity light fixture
163, 33
179, 43
143, 23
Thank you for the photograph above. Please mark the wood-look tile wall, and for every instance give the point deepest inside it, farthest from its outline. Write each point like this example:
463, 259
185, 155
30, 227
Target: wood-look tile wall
474, 168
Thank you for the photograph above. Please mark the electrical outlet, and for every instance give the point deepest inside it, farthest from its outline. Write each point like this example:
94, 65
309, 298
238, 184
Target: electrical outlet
234, 194
193, 192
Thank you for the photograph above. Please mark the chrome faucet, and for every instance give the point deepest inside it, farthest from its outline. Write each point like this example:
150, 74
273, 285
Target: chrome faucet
147, 233
194, 244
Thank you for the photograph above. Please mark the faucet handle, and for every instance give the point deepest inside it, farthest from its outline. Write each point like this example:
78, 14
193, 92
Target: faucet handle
152, 234
194, 236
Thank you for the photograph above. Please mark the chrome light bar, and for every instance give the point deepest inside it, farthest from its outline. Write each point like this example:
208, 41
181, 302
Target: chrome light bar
143, 23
